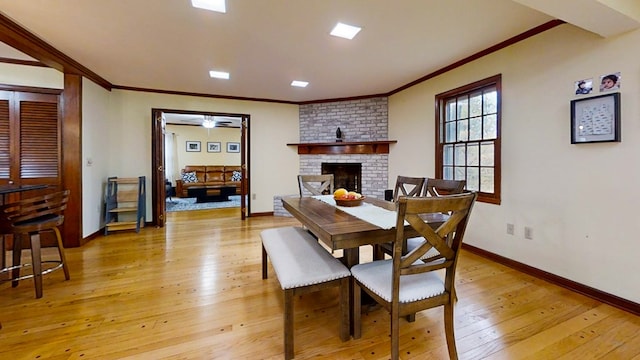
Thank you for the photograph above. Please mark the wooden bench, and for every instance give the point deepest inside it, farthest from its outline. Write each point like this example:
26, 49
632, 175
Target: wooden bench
302, 266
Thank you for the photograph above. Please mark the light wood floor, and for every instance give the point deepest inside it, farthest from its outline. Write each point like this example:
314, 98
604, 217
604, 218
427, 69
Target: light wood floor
193, 290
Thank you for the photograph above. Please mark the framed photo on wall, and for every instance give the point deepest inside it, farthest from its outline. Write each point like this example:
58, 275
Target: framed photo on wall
596, 119
213, 147
233, 147
193, 146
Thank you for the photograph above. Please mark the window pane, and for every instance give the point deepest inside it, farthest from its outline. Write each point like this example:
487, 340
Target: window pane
450, 132
460, 158
447, 155
460, 173
490, 100
463, 107
473, 154
450, 110
486, 180
463, 131
475, 128
447, 173
475, 104
490, 128
487, 154
473, 179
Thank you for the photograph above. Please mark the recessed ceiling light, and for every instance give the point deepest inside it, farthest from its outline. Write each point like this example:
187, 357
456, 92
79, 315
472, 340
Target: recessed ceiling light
345, 31
219, 74
299, 83
213, 5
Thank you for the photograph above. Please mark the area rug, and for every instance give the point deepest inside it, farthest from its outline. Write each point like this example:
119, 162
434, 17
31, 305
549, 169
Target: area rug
184, 204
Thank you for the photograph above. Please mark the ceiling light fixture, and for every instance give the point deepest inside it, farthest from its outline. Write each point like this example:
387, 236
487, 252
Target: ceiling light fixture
299, 83
213, 5
345, 31
219, 74
208, 122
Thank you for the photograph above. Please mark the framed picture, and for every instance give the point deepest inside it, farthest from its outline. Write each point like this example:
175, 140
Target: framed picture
233, 147
193, 146
596, 119
213, 147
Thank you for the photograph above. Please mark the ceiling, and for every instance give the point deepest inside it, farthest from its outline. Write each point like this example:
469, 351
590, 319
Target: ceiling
167, 45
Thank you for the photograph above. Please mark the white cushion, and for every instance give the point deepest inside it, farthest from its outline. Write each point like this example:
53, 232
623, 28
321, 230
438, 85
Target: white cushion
298, 259
377, 275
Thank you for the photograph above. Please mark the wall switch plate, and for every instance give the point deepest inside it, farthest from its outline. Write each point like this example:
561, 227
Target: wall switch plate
510, 229
528, 233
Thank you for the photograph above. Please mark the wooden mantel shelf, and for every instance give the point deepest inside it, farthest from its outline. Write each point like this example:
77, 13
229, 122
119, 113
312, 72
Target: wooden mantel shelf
351, 147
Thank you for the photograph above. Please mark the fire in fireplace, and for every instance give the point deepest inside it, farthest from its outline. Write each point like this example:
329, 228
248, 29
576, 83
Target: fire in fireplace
345, 175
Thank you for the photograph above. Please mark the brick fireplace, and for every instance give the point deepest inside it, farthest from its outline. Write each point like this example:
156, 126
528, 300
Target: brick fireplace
364, 125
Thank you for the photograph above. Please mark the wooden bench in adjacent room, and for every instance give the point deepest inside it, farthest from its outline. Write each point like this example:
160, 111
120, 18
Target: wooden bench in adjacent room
302, 266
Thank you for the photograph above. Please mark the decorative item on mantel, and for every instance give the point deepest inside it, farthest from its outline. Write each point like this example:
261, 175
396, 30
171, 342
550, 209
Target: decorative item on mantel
338, 135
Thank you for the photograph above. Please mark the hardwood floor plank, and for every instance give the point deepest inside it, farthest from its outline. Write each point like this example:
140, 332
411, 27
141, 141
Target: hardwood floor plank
193, 290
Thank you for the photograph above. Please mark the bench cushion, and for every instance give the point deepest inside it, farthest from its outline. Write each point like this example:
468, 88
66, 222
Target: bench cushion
298, 259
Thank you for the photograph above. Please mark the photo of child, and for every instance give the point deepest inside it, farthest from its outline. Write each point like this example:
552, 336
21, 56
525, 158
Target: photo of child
610, 82
584, 86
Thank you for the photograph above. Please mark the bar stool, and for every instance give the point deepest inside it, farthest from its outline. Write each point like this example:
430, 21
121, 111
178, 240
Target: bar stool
27, 219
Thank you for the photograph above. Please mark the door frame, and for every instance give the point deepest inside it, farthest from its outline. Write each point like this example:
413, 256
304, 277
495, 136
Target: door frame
158, 192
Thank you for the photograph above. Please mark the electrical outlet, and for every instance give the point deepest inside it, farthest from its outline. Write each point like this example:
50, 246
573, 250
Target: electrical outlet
528, 233
253, 196
510, 229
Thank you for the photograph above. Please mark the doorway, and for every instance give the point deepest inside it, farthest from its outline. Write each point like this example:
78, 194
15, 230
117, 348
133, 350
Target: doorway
202, 148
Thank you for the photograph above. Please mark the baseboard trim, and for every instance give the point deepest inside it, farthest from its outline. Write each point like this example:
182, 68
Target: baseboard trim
268, 213
596, 294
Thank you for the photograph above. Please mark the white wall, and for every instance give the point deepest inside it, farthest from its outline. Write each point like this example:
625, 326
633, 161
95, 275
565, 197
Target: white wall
274, 165
21, 75
186, 133
96, 146
581, 200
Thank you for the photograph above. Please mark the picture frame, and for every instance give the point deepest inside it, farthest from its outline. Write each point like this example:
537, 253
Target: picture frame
596, 119
213, 147
193, 146
233, 147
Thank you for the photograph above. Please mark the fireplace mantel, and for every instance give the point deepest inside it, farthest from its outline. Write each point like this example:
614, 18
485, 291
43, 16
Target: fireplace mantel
349, 147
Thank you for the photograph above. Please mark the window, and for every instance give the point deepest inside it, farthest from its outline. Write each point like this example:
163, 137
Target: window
468, 137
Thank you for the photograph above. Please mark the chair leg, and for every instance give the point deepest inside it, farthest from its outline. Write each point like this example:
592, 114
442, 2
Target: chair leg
357, 310
36, 262
395, 332
16, 254
288, 324
63, 258
449, 332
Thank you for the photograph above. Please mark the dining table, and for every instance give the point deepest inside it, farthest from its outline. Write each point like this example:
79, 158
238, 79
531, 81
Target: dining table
338, 229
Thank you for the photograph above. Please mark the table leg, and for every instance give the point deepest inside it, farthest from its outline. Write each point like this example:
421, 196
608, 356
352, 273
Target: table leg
351, 257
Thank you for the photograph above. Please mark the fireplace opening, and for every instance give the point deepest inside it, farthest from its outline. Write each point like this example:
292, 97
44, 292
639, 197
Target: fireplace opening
345, 175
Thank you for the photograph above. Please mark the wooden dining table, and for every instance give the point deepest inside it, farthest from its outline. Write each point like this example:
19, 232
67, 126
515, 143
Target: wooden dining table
340, 230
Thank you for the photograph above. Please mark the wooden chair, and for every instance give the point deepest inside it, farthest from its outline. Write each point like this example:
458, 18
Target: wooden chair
407, 186
404, 285
438, 187
27, 219
316, 184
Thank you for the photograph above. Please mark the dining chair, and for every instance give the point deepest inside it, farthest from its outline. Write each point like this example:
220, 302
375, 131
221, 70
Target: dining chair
315, 184
26, 219
436, 187
407, 186
404, 285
